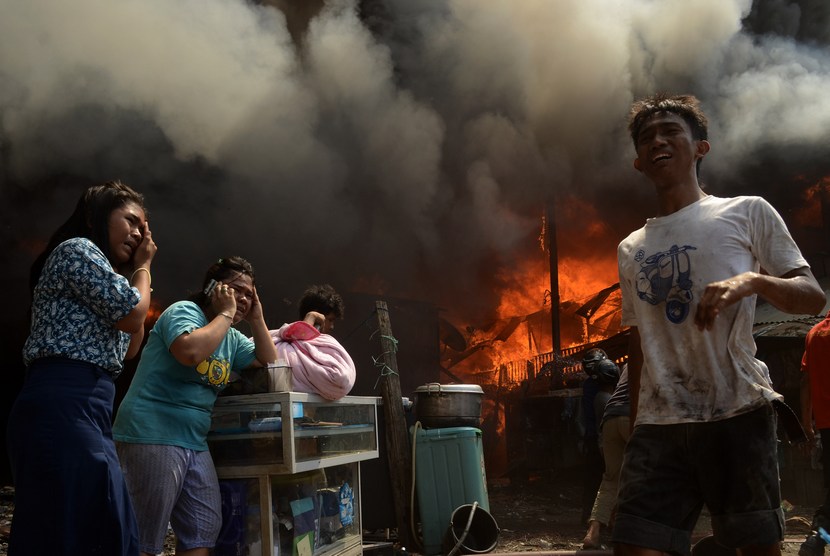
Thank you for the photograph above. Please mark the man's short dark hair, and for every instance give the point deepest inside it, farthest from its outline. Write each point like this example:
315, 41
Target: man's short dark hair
685, 106
323, 299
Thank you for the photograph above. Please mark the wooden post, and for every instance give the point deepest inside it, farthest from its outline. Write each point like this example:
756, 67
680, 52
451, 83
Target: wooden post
397, 436
553, 254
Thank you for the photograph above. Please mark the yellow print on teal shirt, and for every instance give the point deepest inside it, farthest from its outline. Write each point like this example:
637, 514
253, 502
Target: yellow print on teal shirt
215, 371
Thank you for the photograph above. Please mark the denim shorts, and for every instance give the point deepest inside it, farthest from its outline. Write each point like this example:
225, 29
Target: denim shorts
175, 485
670, 471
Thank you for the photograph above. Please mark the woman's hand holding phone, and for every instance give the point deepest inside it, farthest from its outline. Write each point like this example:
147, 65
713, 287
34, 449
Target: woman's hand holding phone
222, 298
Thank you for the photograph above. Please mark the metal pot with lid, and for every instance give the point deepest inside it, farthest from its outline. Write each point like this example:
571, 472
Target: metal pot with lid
448, 405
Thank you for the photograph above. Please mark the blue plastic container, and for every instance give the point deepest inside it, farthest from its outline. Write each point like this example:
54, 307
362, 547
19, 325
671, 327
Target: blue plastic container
231, 541
449, 472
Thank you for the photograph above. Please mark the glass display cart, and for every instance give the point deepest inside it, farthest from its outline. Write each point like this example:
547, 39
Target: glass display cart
288, 467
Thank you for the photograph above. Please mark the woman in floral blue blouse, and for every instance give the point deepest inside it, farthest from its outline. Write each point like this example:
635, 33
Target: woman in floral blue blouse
87, 317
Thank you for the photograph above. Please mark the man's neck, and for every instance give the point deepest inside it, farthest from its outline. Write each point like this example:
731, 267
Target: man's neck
672, 198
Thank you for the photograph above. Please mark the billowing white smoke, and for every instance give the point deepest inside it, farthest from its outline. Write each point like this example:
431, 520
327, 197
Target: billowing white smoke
399, 146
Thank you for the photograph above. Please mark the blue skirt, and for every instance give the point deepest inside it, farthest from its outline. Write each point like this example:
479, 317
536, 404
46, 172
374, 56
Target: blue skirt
70, 495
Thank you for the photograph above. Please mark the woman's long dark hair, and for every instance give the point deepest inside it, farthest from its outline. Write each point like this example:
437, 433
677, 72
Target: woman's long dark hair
223, 270
90, 219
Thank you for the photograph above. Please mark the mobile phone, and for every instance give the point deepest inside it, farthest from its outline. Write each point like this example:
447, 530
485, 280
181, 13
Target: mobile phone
210, 287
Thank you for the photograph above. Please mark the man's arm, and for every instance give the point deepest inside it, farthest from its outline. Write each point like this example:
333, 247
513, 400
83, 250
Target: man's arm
796, 292
635, 366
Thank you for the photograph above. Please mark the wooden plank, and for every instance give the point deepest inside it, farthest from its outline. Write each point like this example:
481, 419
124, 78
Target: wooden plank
397, 437
266, 518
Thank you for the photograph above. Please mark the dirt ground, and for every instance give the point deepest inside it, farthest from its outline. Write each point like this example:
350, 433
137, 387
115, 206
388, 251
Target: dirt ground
542, 515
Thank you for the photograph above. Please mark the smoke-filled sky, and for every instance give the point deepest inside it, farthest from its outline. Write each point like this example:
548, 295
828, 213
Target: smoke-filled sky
399, 147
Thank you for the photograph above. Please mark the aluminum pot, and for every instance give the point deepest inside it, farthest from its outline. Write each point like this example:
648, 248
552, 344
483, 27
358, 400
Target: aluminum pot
448, 405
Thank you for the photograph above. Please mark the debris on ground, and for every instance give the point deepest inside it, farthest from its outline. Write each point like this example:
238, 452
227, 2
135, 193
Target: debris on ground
539, 515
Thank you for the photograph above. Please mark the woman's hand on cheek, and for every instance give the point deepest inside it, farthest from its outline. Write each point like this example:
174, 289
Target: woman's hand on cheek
146, 250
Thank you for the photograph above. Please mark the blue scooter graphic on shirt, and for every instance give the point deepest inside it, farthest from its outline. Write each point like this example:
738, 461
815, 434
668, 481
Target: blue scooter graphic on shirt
664, 276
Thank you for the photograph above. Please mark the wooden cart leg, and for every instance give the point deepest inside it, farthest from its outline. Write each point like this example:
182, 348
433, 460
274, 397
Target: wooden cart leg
266, 519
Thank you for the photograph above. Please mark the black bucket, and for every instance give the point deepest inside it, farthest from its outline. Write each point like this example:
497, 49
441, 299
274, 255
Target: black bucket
480, 539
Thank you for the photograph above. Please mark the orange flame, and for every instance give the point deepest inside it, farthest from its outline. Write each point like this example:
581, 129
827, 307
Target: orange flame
810, 214
153, 313
523, 328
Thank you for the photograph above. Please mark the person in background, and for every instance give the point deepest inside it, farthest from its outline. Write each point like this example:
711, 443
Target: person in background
615, 428
815, 417
318, 362
162, 423
702, 404
320, 306
91, 297
593, 465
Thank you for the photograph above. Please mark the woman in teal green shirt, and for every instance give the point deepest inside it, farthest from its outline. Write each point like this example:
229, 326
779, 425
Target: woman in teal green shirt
162, 424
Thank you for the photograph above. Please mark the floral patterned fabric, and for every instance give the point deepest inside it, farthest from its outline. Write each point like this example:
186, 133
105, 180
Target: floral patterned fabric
77, 301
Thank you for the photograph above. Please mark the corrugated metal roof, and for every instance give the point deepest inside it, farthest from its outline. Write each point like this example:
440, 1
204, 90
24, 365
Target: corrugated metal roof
770, 322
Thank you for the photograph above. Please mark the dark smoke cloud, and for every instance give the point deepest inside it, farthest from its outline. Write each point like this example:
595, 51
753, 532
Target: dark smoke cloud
397, 147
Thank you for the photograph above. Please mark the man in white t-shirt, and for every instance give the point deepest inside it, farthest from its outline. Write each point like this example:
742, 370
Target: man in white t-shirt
704, 426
